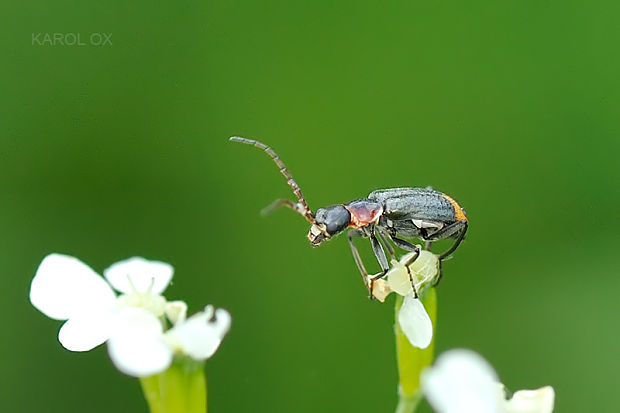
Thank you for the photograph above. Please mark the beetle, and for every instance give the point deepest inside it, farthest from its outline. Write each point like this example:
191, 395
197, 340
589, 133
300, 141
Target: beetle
385, 214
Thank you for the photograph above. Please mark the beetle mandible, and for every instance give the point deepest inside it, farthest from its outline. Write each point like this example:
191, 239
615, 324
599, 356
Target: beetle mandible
386, 214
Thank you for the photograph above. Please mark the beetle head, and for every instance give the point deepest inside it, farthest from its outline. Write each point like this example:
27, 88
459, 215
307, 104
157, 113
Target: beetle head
329, 221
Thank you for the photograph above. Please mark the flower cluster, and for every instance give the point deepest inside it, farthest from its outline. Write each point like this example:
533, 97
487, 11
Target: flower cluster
412, 317
133, 323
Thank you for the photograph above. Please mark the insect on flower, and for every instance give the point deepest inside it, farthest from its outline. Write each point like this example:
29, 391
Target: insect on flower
386, 214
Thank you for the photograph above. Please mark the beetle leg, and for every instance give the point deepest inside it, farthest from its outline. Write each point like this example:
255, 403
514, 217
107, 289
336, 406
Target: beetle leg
384, 241
379, 254
406, 245
459, 228
409, 262
358, 233
440, 274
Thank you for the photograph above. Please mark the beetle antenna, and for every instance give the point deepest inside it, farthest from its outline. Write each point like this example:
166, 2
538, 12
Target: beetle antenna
301, 206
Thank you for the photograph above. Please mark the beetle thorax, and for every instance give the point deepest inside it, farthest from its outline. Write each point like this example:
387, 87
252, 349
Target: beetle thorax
364, 212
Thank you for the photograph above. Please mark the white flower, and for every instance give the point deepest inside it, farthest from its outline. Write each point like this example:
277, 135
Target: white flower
64, 288
412, 317
461, 381
141, 348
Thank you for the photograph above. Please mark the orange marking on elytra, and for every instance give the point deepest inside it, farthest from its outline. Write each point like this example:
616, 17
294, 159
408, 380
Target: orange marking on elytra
458, 211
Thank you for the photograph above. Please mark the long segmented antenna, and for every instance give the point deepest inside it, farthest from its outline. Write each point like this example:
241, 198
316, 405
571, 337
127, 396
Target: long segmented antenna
301, 206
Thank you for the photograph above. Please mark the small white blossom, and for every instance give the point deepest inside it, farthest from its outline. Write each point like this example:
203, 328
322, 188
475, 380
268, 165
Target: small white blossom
201, 334
461, 381
64, 288
412, 317
141, 348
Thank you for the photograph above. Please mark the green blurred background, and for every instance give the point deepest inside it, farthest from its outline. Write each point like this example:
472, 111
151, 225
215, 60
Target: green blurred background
107, 152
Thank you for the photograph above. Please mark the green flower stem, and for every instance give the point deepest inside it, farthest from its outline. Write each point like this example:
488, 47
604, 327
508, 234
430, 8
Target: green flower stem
412, 360
180, 389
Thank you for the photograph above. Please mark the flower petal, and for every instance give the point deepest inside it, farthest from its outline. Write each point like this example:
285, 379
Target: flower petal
531, 401
140, 356
86, 331
461, 381
398, 278
199, 337
424, 271
137, 347
426, 266
176, 311
415, 322
64, 286
139, 275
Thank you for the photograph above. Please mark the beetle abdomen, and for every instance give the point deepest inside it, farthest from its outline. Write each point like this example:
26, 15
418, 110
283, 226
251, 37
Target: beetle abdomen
415, 203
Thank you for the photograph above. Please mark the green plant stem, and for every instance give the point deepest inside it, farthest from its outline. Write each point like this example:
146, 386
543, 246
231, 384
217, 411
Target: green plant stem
412, 360
180, 389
